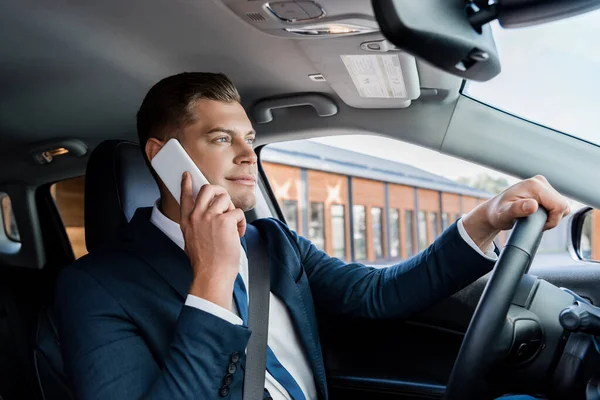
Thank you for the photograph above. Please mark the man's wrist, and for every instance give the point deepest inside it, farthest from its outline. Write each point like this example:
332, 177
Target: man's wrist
217, 291
478, 227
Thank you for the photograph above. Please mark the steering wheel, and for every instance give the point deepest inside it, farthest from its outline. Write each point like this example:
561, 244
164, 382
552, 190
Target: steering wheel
474, 358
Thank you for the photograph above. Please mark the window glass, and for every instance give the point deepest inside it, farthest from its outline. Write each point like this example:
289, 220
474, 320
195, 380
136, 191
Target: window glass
360, 232
376, 224
8, 217
338, 231
290, 213
394, 232
426, 192
316, 228
422, 230
68, 196
549, 75
410, 232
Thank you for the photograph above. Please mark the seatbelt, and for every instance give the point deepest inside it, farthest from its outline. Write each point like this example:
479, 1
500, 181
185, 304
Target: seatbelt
258, 315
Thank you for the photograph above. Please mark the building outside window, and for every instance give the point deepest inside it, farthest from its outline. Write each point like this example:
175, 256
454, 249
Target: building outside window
422, 225
290, 213
433, 220
316, 225
360, 232
445, 220
338, 231
377, 225
394, 232
409, 236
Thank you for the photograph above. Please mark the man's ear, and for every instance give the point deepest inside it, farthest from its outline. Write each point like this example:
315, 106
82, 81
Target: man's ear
153, 146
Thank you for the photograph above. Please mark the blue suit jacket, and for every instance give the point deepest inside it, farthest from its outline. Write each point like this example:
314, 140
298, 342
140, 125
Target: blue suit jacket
126, 334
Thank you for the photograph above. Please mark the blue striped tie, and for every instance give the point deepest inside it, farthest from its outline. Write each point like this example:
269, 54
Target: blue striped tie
273, 365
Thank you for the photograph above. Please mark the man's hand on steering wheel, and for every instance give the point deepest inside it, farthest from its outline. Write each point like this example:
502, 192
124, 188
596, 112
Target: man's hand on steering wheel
520, 200
535, 206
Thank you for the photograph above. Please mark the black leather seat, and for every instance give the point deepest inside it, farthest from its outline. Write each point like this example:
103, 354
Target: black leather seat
117, 183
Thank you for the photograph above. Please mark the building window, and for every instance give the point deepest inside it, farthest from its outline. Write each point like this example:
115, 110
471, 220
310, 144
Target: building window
456, 217
8, 216
433, 219
316, 227
394, 232
360, 232
377, 225
290, 213
410, 232
445, 220
338, 231
422, 225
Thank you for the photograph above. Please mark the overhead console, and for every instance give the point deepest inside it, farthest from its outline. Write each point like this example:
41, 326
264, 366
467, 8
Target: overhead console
306, 18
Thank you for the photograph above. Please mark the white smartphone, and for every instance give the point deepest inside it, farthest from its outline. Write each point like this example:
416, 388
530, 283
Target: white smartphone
171, 162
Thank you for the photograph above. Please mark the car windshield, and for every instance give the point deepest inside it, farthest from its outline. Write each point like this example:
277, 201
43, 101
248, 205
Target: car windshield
550, 75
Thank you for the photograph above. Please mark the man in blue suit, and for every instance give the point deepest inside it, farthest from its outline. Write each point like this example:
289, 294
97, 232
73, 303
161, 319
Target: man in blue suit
163, 315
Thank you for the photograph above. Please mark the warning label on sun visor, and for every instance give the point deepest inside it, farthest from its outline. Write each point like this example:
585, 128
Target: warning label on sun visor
376, 75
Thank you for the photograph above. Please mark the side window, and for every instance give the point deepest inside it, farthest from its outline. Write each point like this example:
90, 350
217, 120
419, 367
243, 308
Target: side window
68, 197
375, 199
8, 218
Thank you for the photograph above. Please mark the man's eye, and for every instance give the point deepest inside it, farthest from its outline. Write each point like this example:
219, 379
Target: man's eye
223, 139
250, 140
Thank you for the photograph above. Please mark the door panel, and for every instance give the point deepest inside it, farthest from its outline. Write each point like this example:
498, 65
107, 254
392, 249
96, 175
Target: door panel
413, 358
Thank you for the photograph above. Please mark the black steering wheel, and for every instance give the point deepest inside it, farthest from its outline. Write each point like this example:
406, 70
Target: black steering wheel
474, 358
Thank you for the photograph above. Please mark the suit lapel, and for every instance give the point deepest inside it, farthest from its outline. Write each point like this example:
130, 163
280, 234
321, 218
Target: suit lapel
158, 251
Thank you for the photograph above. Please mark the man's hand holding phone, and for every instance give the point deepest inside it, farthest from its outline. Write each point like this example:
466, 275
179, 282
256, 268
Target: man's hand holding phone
211, 226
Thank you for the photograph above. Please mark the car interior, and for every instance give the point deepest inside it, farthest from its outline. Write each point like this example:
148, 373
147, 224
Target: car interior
73, 75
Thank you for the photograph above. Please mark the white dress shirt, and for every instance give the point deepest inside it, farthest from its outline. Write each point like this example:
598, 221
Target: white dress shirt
283, 339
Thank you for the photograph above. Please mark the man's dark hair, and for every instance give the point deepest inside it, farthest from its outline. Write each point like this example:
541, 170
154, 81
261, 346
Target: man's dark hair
167, 107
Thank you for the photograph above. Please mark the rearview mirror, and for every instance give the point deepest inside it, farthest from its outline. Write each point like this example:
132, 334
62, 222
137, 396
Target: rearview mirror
454, 35
585, 233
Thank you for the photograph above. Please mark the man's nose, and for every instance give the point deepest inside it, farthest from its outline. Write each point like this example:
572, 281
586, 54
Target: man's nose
246, 155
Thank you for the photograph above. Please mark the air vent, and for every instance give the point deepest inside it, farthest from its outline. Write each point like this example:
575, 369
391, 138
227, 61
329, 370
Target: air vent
256, 17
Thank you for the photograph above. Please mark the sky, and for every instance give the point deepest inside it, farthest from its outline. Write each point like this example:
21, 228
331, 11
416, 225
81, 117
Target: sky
550, 75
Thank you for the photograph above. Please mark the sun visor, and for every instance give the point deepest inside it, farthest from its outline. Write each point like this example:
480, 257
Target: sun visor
365, 71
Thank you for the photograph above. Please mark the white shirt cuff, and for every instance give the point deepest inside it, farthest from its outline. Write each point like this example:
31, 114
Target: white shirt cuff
212, 308
490, 254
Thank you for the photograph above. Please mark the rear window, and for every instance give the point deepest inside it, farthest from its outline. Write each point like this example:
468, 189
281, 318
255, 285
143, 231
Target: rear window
8, 218
68, 196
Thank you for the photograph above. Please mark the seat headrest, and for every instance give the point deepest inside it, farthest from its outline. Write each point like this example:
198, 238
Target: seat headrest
117, 183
